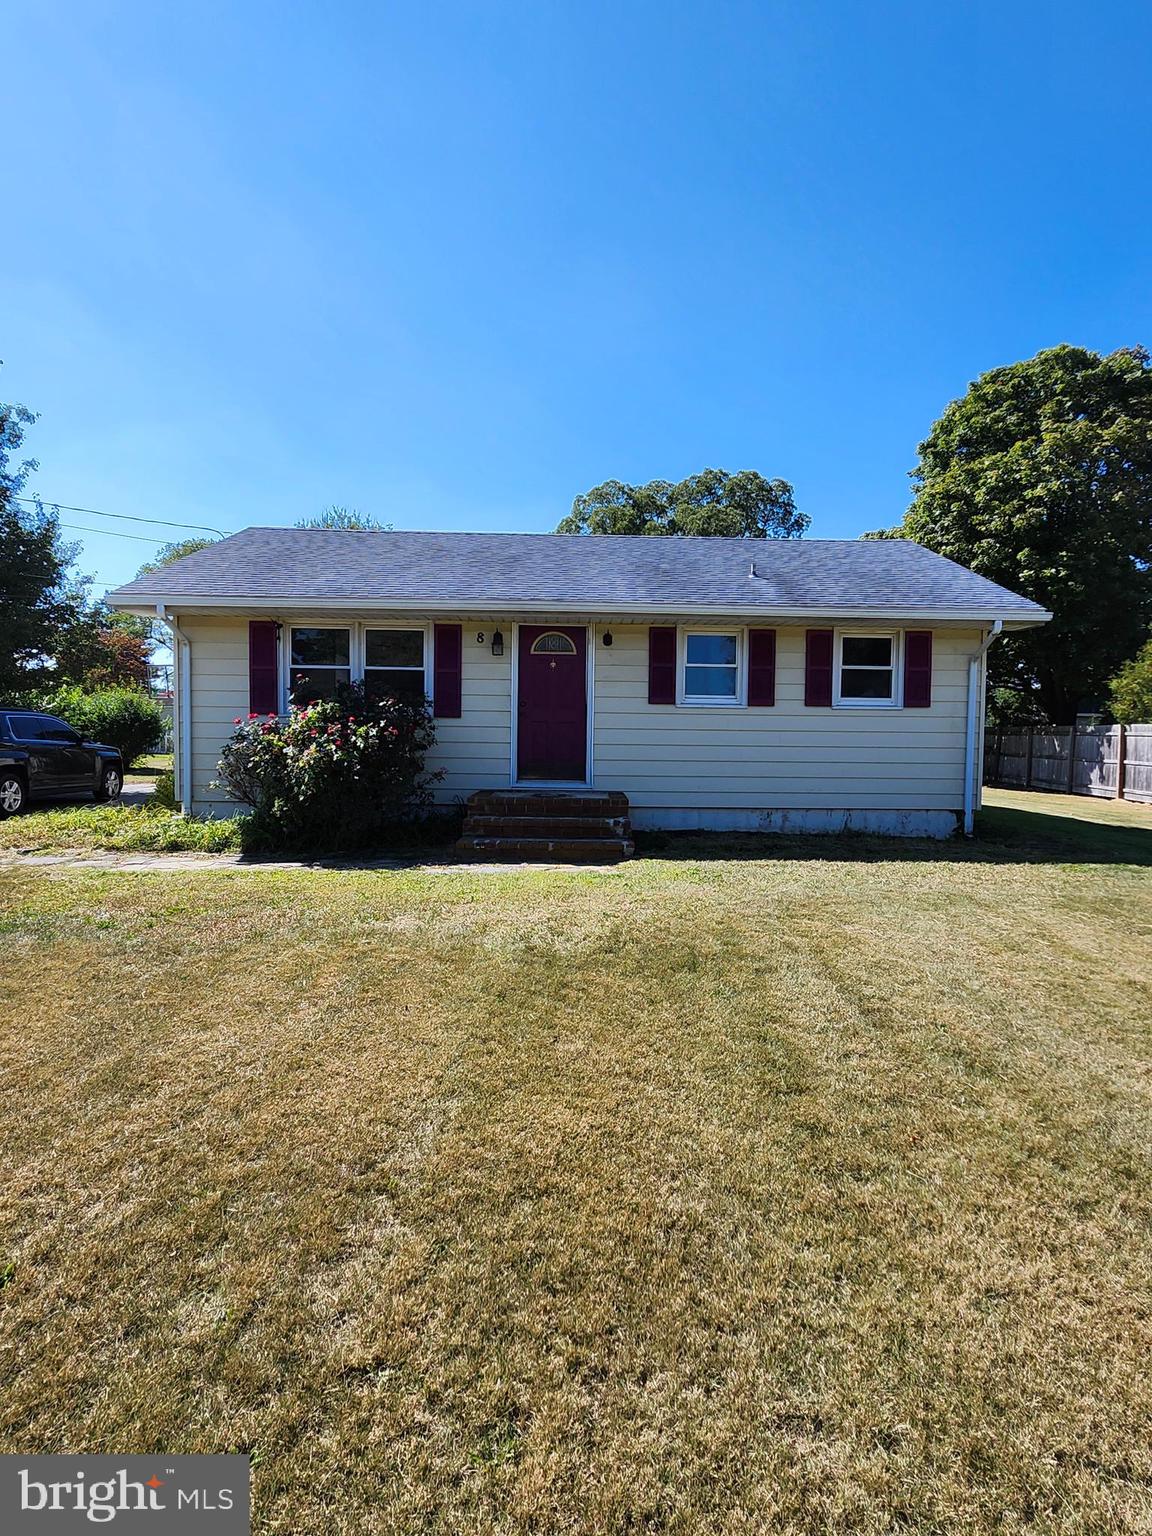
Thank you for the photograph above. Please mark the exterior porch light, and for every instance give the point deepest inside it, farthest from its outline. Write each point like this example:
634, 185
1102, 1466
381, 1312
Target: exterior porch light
497, 643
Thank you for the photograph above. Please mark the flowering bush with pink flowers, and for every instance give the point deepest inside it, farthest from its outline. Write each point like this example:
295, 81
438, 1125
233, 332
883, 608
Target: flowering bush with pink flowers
341, 773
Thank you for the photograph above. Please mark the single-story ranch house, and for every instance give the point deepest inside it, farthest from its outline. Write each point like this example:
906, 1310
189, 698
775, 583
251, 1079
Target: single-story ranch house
729, 684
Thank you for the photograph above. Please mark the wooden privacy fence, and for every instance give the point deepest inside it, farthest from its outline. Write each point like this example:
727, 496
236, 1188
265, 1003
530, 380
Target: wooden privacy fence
1113, 761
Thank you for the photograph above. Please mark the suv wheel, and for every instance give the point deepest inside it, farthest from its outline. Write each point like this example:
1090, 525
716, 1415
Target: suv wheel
13, 795
111, 783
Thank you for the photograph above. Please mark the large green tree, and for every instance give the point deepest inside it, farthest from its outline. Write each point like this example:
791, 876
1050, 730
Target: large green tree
51, 632
33, 564
712, 503
1040, 478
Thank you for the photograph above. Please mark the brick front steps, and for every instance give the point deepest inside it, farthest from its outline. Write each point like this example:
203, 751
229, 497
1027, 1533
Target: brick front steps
579, 827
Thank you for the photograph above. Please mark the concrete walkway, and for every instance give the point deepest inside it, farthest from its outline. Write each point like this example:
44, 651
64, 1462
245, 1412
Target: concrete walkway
138, 794
169, 863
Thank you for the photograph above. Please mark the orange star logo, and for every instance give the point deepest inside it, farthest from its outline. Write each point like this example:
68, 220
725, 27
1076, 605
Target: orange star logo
155, 1482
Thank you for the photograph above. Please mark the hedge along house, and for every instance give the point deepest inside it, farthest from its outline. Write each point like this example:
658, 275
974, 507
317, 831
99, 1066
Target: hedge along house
728, 684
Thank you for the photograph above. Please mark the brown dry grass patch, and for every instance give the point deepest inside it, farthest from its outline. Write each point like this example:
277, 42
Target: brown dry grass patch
797, 1194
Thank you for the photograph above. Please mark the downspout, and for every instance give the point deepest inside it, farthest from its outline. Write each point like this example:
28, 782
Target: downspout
183, 651
975, 693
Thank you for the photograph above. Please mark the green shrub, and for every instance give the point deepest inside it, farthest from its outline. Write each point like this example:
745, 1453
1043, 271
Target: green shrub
1131, 689
343, 773
125, 718
164, 795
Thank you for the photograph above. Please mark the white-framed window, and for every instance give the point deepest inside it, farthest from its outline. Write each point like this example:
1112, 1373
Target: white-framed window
319, 660
392, 659
711, 667
395, 663
867, 669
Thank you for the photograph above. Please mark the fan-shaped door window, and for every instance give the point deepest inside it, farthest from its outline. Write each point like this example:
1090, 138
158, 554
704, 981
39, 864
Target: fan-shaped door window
553, 644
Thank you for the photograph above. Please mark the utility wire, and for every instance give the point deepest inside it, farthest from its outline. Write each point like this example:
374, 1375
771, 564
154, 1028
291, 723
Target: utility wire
109, 533
126, 517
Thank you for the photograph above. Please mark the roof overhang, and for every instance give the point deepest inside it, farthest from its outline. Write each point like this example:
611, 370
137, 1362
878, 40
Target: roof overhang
487, 608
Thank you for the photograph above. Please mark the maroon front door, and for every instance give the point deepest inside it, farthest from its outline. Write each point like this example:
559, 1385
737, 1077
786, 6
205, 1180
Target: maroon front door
552, 707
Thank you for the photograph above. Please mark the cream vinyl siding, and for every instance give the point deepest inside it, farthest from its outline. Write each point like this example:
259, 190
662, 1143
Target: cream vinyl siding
473, 751
787, 756
219, 650
661, 756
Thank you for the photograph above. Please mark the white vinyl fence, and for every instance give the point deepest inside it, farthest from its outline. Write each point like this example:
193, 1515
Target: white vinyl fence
1112, 761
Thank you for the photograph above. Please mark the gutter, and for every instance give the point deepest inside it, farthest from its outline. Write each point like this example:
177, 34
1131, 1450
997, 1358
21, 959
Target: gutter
183, 649
500, 607
975, 692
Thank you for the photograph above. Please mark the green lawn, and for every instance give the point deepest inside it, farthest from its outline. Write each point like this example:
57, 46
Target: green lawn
146, 769
82, 827
755, 1186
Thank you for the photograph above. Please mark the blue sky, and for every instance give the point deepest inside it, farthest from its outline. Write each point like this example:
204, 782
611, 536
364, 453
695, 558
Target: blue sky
454, 263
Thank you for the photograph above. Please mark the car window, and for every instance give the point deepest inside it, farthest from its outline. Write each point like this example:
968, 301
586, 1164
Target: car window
41, 728
25, 727
52, 729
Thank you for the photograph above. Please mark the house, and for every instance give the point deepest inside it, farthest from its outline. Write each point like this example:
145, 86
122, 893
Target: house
799, 685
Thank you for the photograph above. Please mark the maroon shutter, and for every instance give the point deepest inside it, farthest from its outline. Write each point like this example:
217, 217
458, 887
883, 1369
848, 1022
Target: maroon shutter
263, 672
818, 668
662, 664
761, 666
917, 669
446, 668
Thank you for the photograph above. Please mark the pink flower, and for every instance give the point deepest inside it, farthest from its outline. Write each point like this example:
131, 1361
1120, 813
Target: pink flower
236, 721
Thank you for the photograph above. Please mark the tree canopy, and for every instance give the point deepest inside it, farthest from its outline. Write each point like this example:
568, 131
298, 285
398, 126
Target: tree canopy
1040, 478
167, 554
1130, 692
96, 648
345, 517
51, 632
711, 504
33, 563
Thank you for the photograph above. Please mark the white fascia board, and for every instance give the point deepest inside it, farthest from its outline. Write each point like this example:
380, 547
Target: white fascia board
614, 613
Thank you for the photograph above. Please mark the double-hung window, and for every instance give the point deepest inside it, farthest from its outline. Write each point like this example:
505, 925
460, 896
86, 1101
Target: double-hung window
394, 663
321, 659
391, 662
711, 668
866, 674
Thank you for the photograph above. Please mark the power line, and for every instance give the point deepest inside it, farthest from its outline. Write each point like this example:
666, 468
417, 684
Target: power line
127, 517
109, 533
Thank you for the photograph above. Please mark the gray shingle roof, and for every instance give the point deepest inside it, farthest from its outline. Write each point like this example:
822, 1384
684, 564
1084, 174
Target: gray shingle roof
479, 570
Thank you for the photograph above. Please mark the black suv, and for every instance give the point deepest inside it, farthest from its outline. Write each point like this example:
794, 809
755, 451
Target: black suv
43, 758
